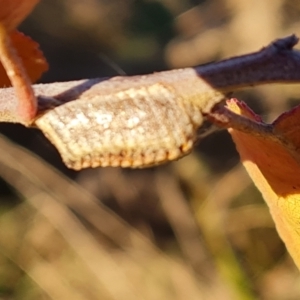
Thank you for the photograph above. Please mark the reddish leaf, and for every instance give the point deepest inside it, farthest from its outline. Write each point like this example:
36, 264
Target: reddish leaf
32, 58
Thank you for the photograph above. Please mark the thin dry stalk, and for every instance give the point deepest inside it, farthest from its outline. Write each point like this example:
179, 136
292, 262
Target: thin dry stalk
182, 221
33, 178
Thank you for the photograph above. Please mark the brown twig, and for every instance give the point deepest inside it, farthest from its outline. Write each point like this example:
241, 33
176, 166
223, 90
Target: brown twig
278, 62
140, 121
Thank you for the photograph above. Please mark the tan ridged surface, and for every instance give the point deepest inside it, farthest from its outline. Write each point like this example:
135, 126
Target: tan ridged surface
135, 127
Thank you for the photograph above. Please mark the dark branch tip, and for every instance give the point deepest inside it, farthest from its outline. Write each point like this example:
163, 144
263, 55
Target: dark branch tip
286, 43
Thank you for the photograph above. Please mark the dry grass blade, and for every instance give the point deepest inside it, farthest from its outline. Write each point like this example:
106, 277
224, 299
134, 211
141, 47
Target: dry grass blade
209, 212
51, 194
182, 221
17, 163
99, 261
46, 276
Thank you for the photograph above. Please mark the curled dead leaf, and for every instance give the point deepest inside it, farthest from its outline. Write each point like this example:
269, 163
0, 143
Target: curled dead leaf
272, 160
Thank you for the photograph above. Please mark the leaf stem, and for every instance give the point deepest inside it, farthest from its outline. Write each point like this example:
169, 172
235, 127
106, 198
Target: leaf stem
26, 103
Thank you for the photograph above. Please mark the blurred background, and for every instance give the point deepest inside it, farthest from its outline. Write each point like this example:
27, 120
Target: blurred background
192, 229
